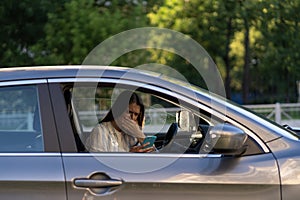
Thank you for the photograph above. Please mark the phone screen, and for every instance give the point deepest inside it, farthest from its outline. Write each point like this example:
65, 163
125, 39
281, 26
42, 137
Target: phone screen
150, 139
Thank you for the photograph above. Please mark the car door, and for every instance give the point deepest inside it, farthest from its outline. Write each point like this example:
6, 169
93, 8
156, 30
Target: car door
179, 173
31, 165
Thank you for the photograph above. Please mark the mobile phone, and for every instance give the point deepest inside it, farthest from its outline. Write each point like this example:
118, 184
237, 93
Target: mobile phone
150, 139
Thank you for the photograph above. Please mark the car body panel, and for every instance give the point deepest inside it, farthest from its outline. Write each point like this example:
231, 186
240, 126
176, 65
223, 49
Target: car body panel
271, 173
32, 176
286, 152
190, 177
35, 175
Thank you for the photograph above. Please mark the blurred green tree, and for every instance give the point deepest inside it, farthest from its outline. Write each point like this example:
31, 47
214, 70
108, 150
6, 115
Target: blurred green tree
254, 43
277, 53
22, 24
210, 23
73, 31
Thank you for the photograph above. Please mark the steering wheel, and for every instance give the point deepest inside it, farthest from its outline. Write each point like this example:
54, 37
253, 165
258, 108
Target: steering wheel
169, 137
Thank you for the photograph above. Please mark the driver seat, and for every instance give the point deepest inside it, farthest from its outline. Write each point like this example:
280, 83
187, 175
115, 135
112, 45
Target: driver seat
172, 131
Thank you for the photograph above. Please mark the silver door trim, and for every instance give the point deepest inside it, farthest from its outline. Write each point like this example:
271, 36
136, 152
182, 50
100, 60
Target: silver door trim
151, 155
40, 154
23, 82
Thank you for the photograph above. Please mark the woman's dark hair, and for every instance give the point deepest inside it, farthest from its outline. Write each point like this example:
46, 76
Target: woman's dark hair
121, 104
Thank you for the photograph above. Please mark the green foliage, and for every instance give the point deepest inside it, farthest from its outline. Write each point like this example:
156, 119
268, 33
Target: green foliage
43, 32
273, 60
79, 26
20, 28
278, 55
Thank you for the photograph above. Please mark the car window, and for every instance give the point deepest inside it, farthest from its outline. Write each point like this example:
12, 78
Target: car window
20, 126
88, 105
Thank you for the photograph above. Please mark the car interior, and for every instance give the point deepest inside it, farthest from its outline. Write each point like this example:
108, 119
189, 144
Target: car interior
171, 137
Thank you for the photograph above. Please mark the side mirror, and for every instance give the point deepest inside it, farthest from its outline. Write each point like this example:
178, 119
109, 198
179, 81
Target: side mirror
225, 139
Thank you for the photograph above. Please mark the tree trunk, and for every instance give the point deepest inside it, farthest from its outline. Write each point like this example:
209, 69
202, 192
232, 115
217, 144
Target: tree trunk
246, 74
226, 59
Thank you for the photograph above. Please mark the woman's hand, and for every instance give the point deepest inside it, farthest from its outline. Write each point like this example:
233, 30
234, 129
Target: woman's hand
142, 149
128, 126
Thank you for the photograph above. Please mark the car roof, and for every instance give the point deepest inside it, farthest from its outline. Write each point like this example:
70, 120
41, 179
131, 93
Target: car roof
91, 71
63, 71
147, 77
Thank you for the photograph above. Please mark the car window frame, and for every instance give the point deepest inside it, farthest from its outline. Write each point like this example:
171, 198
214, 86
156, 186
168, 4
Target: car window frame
48, 126
155, 90
64, 128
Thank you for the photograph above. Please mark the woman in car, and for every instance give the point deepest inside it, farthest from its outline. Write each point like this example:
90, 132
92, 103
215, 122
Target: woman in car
121, 128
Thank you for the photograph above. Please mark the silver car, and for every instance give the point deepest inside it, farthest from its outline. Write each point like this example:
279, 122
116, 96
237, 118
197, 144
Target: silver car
207, 147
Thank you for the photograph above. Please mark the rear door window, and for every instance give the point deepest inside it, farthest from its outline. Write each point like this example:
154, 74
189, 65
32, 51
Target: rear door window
20, 124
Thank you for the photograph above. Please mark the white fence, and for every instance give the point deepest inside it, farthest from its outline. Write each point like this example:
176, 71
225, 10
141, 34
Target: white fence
286, 113
16, 121
282, 113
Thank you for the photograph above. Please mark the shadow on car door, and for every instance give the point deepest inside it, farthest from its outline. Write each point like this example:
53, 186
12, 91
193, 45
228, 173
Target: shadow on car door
157, 176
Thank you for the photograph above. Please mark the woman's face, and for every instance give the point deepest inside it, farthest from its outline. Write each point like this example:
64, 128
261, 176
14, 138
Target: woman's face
134, 111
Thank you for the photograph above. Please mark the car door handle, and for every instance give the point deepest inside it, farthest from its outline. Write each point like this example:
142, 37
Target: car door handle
92, 183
